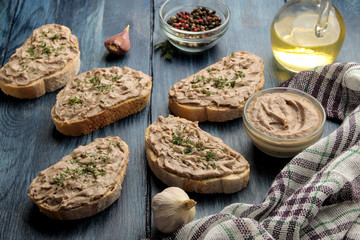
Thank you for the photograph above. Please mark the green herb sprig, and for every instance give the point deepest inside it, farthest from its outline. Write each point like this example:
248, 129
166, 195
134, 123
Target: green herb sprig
167, 50
97, 85
74, 100
55, 37
239, 75
211, 158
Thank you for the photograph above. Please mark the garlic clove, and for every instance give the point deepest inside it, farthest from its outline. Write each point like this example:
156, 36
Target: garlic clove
172, 208
120, 43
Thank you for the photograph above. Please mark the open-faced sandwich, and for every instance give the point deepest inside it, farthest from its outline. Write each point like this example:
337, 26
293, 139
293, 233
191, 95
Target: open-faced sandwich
218, 93
46, 61
83, 183
101, 96
181, 154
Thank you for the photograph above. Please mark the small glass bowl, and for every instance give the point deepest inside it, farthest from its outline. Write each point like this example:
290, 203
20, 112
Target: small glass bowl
278, 147
193, 41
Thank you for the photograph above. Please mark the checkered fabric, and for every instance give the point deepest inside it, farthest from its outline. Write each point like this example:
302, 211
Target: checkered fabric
317, 194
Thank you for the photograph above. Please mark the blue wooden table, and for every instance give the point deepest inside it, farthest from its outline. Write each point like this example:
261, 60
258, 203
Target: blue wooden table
29, 142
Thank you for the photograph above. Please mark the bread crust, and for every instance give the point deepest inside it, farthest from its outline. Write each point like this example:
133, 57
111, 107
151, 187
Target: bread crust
103, 118
93, 207
210, 113
207, 113
45, 84
225, 184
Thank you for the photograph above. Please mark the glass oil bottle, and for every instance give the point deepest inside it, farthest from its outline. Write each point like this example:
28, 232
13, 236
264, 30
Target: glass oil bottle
306, 34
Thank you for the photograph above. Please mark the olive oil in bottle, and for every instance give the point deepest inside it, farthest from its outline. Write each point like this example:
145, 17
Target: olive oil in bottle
294, 41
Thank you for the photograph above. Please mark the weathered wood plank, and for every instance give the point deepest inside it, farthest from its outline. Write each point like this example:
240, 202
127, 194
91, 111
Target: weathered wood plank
249, 31
6, 18
28, 139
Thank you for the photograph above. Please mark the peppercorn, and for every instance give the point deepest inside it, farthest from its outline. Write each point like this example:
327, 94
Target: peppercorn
200, 19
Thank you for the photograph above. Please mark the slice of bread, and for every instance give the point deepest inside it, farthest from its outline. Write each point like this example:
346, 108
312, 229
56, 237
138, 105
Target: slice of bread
46, 61
96, 98
84, 182
218, 93
180, 154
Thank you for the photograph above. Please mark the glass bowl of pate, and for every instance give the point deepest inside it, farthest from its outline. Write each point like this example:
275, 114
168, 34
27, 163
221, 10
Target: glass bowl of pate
282, 122
194, 25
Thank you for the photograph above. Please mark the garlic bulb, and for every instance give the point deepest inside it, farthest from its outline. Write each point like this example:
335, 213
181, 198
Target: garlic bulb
172, 208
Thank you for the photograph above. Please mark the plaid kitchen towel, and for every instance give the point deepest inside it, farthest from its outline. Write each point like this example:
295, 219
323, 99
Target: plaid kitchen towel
317, 194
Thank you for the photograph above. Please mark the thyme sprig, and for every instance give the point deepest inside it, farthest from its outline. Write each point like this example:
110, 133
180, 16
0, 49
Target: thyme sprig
167, 50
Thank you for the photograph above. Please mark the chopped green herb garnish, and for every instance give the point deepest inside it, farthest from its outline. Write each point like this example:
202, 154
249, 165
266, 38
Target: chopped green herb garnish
188, 150
59, 180
116, 77
188, 141
43, 44
219, 82
239, 75
46, 50
92, 166
224, 150
31, 51
177, 140
23, 67
55, 37
198, 147
58, 49
104, 88
95, 80
209, 155
207, 92
74, 100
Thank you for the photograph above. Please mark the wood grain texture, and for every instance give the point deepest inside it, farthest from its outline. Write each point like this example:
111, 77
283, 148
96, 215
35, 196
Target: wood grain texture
29, 142
6, 18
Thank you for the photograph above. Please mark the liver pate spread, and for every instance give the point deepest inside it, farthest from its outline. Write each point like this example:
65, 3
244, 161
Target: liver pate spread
229, 82
183, 149
82, 177
283, 115
47, 51
99, 89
